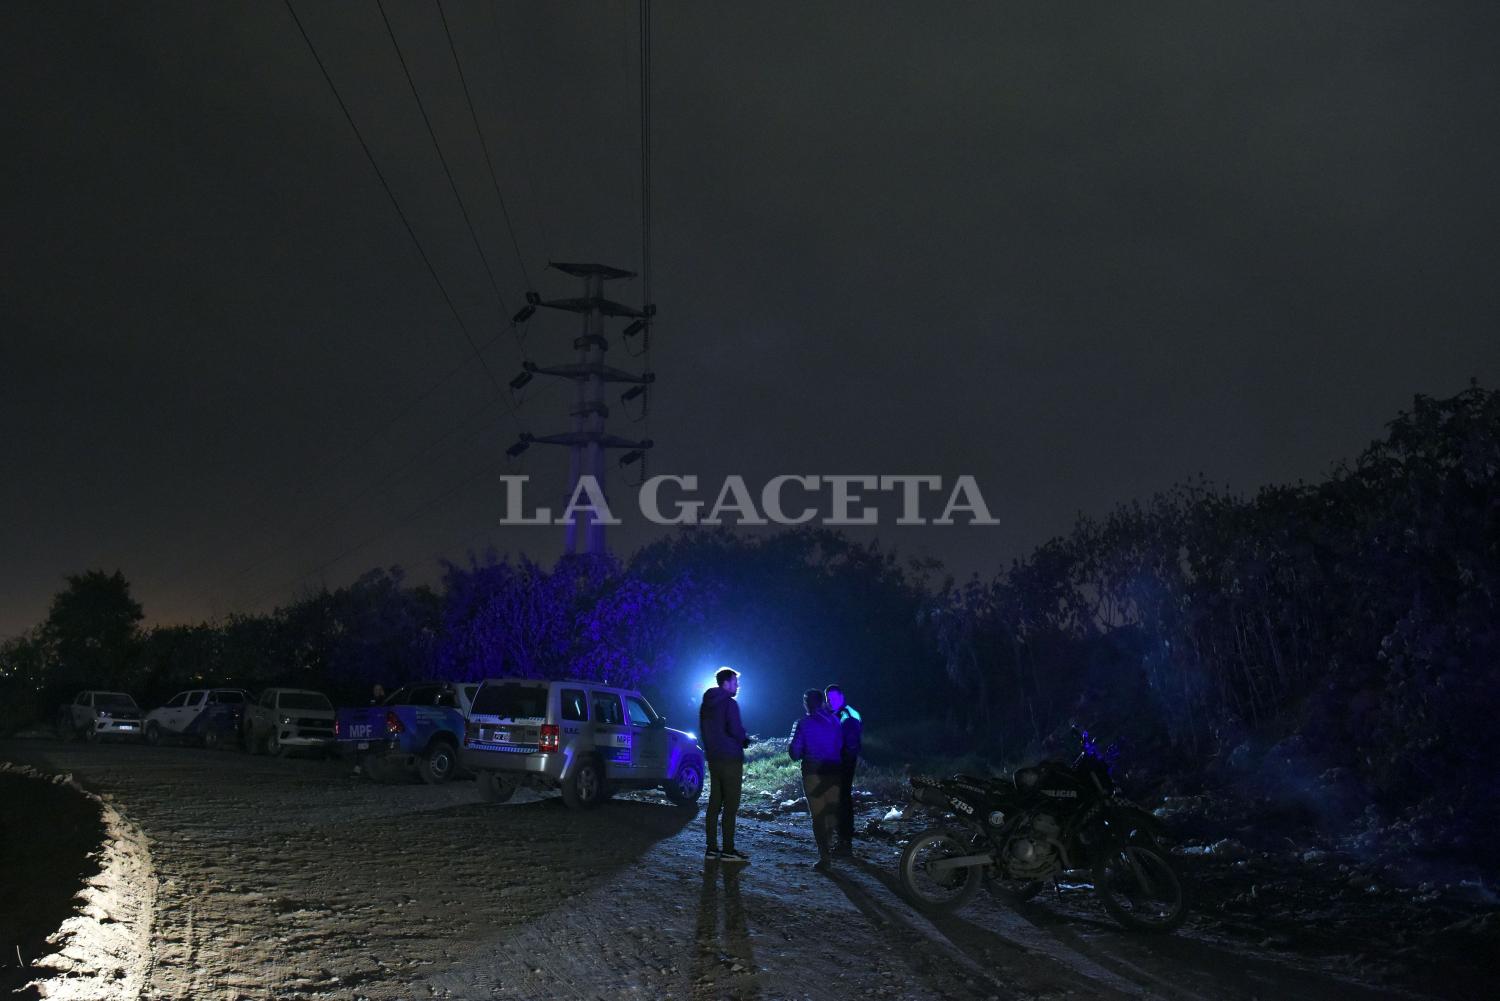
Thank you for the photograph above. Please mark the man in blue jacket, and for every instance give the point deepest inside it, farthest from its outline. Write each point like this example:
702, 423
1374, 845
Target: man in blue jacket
724, 743
817, 743
851, 730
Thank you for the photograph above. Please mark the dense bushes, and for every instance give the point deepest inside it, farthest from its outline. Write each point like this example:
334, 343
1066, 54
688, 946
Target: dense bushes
1361, 612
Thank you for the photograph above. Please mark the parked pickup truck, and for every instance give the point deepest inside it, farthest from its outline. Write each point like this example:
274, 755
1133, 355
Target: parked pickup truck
283, 720
418, 727
94, 715
208, 716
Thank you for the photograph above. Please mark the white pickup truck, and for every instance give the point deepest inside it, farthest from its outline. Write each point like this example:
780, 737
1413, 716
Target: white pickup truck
288, 719
94, 715
204, 715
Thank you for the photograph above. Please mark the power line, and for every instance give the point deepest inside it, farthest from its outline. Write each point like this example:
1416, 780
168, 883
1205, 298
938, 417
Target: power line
329, 469
448, 173
484, 145
387, 480
423, 455
426, 260
395, 203
421, 509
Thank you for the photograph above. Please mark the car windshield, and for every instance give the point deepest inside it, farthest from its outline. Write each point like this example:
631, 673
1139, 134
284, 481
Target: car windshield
512, 701
304, 700
113, 700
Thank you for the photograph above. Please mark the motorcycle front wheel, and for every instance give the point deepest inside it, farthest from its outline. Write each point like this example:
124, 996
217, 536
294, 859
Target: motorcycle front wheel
938, 891
1140, 889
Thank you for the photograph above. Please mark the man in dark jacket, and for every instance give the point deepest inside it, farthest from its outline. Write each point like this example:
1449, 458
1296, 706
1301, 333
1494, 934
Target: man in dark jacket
724, 743
851, 732
377, 698
816, 743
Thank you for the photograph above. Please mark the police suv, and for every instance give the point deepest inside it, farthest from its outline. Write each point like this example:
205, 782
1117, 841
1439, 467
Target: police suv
583, 739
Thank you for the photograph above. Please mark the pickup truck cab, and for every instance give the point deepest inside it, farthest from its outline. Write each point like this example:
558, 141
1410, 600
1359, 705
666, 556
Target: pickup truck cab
584, 739
94, 715
283, 720
419, 727
202, 715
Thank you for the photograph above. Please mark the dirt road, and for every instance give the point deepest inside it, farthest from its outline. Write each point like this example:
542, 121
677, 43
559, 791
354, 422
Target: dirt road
291, 879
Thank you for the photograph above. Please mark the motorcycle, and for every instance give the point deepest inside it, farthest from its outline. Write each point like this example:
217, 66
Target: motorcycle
1019, 833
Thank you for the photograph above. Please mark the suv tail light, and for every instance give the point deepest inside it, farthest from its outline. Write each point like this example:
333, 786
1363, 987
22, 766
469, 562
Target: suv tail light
338, 729
393, 724
550, 739
471, 732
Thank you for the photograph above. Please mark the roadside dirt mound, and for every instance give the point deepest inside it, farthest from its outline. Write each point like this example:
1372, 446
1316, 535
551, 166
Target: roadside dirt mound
83, 890
50, 833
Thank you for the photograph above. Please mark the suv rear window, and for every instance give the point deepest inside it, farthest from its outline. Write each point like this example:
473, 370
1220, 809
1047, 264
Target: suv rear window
512, 701
227, 698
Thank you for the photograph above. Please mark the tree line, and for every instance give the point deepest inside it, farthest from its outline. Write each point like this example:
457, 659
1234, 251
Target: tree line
1358, 611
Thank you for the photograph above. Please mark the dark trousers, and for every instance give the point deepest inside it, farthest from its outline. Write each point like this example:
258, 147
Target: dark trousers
822, 789
724, 781
846, 805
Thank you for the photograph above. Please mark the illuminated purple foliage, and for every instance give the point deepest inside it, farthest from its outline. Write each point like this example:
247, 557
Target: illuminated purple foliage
586, 618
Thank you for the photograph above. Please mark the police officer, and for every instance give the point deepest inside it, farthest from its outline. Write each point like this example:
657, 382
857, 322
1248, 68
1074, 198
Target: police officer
851, 732
817, 743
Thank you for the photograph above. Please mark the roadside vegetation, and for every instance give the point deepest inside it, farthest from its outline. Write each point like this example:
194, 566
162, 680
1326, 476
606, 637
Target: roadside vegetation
1327, 647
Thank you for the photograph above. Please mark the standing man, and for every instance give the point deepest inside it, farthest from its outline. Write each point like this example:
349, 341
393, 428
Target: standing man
377, 698
724, 743
851, 731
817, 743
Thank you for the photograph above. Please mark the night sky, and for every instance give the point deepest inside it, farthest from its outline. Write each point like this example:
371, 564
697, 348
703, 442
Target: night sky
1078, 251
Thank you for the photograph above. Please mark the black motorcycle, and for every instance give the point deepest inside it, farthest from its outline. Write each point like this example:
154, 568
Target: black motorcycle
1022, 832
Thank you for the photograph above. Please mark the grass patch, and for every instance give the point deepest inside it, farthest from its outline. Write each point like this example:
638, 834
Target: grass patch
771, 775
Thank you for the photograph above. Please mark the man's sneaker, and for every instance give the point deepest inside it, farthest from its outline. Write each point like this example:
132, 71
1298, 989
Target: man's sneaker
712, 855
733, 855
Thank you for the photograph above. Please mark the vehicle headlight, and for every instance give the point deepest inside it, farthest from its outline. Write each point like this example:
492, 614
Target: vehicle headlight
286, 721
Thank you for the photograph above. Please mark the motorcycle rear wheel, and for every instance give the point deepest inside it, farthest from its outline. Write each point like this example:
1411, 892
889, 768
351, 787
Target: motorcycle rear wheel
1140, 889
938, 892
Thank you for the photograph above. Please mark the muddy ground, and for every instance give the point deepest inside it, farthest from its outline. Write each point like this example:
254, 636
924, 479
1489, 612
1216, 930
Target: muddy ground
277, 878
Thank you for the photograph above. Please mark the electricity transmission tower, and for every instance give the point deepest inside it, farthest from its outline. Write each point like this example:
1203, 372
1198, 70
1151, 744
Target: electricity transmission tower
588, 440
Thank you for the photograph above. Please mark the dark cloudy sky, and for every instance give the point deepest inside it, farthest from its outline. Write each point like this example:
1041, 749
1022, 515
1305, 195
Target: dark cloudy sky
1079, 251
